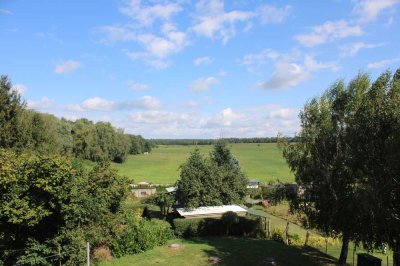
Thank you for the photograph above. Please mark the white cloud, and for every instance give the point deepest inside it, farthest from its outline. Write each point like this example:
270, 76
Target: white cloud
67, 66
100, 104
203, 84
21, 89
42, 104
136, 86
369, 10
271, 14
289, 73
202, 61
146, 15
383, 63
213, 21
158, 49
352, 49
329, 31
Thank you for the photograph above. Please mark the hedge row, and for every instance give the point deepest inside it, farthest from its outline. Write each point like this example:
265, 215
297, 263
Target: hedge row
244, 226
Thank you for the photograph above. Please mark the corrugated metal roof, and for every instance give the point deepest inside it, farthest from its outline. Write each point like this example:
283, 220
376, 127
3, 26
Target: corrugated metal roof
210, 210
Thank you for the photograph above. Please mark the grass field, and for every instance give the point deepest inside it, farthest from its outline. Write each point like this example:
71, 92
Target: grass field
232, 251
263, 162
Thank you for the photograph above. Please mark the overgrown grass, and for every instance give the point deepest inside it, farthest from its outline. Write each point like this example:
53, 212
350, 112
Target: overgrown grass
232, 251
263, 162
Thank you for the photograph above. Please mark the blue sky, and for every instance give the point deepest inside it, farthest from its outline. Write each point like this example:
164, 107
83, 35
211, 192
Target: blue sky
192, 69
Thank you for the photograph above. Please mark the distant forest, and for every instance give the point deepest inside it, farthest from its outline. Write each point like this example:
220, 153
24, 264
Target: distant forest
213, 141
25, 130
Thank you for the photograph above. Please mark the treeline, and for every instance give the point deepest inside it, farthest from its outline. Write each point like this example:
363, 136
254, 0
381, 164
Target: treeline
213, 141
27, 130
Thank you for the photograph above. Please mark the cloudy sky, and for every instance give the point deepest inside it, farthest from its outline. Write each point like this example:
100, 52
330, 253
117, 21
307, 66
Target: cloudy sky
192, 69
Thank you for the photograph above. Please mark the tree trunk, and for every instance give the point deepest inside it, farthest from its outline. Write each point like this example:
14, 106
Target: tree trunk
396, 256
345, 249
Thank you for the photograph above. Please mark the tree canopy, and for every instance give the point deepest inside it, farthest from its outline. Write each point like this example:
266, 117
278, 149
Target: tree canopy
344, 158
217, 180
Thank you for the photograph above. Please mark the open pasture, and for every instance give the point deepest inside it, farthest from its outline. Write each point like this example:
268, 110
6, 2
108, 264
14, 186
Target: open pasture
263, 162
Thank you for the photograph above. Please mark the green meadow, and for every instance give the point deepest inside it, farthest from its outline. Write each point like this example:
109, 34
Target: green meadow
263, 162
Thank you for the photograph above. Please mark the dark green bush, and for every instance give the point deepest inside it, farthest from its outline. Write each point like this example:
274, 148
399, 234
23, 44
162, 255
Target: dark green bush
215, 227
139, 235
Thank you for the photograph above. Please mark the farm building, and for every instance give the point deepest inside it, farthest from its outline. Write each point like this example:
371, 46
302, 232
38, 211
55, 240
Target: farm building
142, 192
253, 184
211, 211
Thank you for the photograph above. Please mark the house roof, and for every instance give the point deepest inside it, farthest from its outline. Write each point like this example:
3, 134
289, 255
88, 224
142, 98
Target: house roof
171, 189
210, 210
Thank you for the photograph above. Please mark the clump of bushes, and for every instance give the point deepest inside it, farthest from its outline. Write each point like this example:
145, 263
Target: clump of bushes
139, 235
278, 235
234, 226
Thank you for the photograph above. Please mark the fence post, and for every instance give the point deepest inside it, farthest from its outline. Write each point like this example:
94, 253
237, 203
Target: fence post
287, 233
354, 253
88, 253
307, 236
326, 245
269, 228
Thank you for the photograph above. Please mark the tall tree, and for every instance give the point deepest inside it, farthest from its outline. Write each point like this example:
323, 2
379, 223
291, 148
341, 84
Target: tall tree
217, 180
11, 107
322, 161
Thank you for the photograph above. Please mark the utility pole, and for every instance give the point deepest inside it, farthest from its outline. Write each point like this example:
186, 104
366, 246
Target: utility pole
88, 253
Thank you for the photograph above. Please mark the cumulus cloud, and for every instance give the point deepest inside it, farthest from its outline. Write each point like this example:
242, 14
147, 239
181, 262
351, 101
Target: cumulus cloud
145, 15
289, 72
65, 67
21, 89
369, 10
203, 84
329, 31
212, 21
42, 104
202, 61
267, 120
100, 104
136, 86
352, 49
272, 14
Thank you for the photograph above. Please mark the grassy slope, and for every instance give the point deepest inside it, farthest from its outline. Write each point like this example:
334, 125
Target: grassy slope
263, 162
233, 251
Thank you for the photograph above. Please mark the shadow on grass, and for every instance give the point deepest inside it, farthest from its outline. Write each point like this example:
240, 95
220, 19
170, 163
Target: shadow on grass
248, 251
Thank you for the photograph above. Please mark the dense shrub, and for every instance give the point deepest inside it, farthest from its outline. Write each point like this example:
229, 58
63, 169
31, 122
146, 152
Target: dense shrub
139, 235
243, 226
278, 235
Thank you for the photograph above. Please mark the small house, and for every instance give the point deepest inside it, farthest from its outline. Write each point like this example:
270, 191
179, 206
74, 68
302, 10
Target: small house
253, 184
142, 192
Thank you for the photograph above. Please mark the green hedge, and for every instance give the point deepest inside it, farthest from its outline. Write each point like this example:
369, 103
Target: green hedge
245, 226
139, 235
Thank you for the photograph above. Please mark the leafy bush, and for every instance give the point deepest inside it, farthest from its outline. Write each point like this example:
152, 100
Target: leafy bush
241, 226
278, 235
139, 235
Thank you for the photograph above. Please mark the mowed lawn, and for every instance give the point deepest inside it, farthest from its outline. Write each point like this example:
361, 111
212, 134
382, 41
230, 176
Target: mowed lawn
232, 251
263, 162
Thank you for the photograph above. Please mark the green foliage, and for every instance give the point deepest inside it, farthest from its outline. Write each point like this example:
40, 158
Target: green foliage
10, 112
233, 225
49, 201
211, 182
278, 235
138, 235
